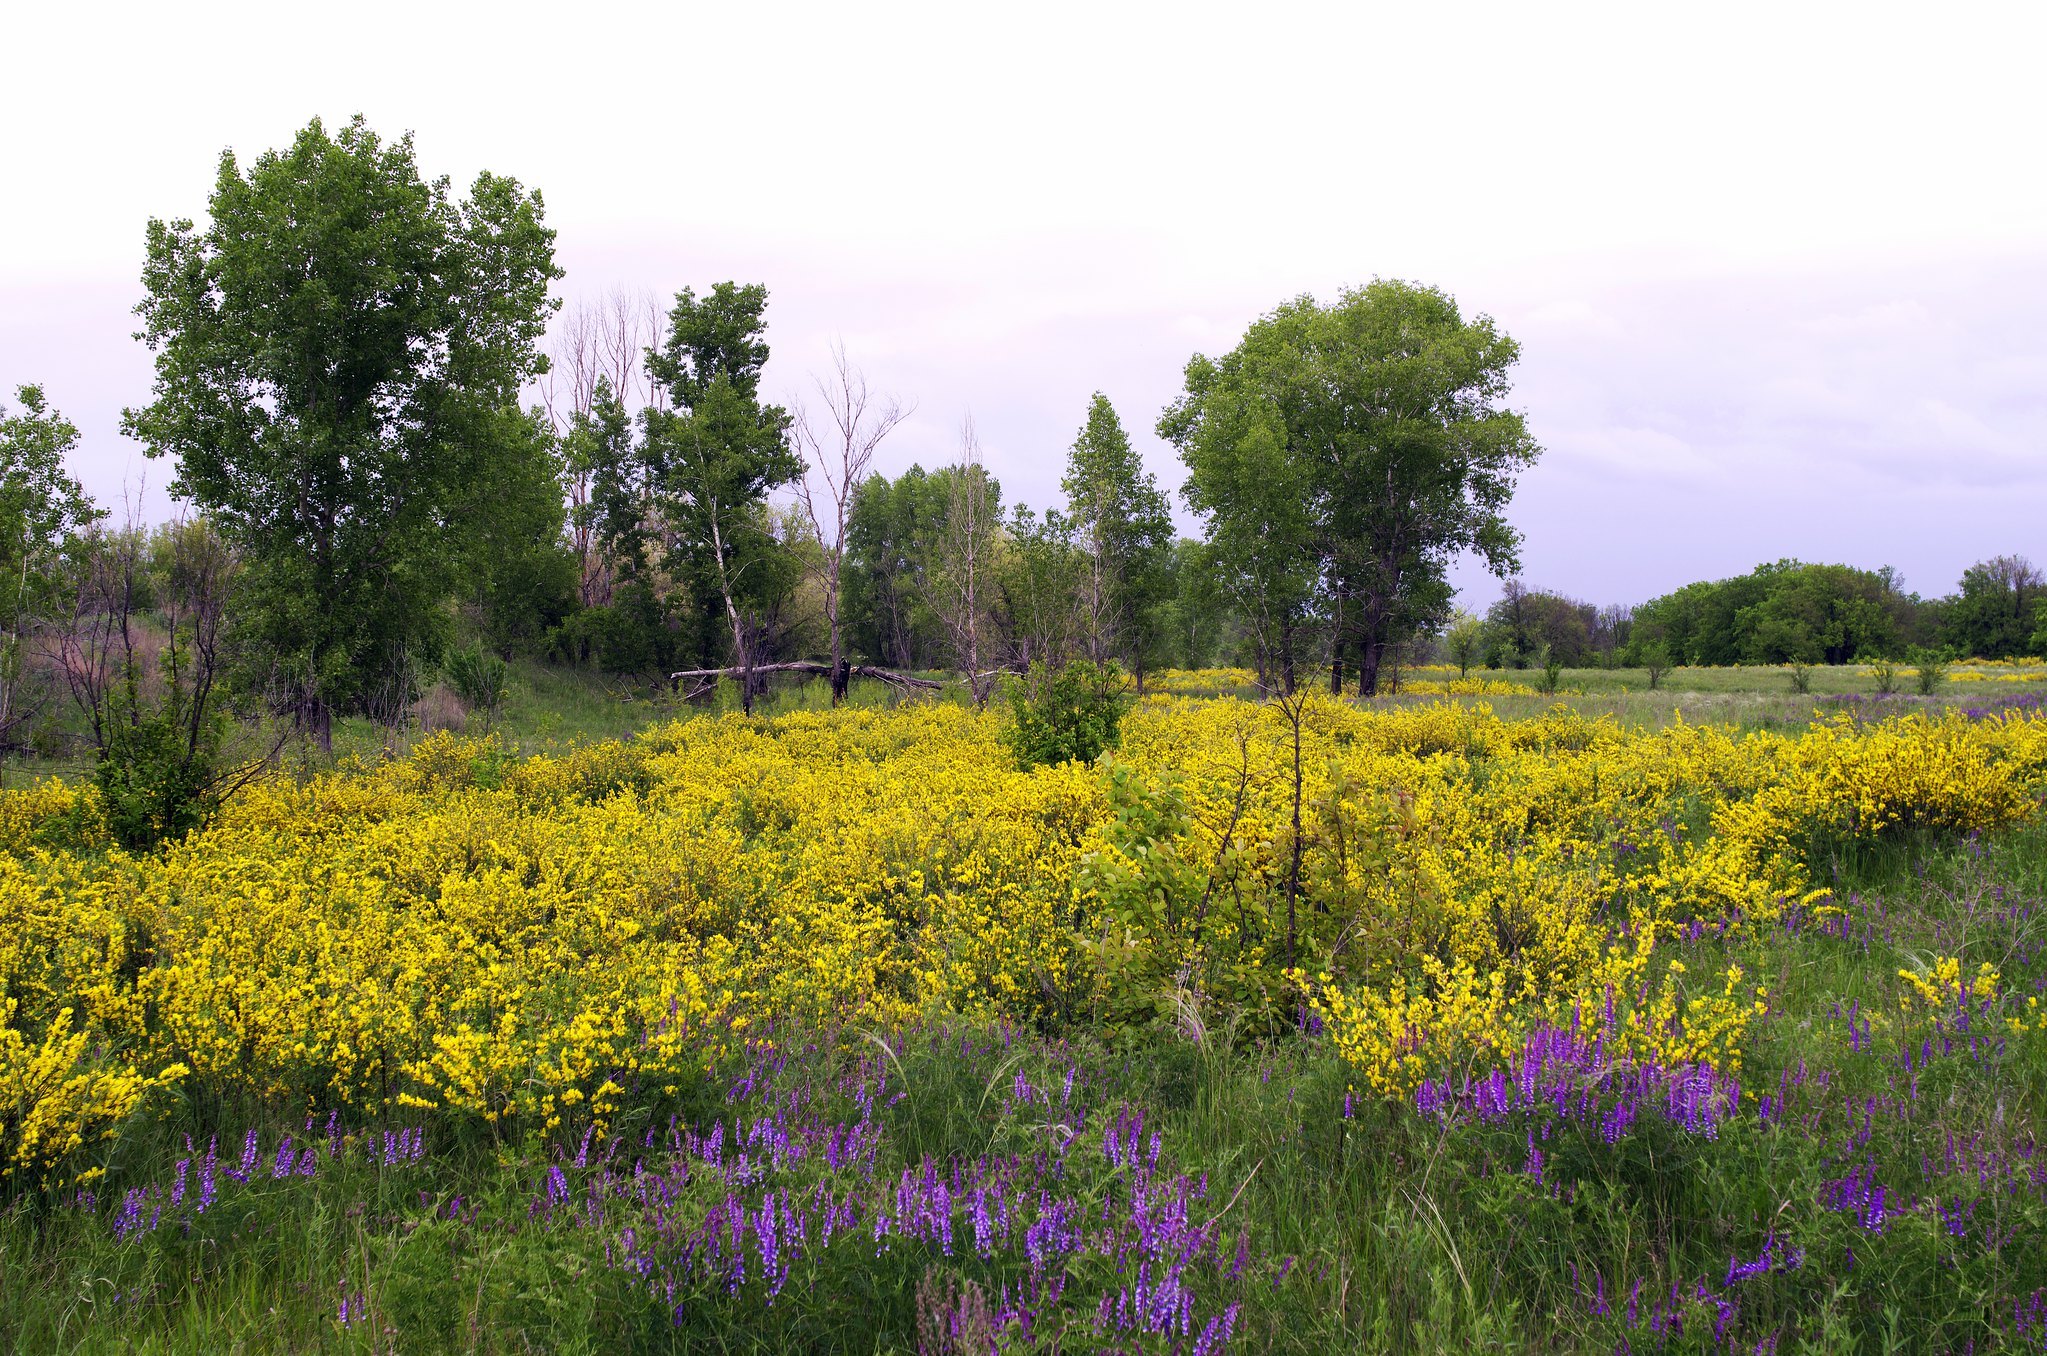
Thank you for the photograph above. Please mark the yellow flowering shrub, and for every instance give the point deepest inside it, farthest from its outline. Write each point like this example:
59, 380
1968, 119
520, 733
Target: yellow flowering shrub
523, 941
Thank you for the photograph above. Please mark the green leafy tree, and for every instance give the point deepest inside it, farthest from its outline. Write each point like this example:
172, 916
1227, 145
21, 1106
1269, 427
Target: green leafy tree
1039, 575
1194, 616
1992, 616
1532, 621
42, 510
957, 565
1257, 504
1069, 714
522, 575
1783, 612
888, 531
339, 355
716, 454
600, 453
1465, 641
141, 653
1124, 531
1366, 442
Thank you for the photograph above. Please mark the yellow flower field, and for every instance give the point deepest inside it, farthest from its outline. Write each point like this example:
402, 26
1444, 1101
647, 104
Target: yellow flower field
524, 943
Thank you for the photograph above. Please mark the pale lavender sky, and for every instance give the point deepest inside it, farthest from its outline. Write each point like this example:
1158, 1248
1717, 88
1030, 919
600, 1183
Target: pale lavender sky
1779, 272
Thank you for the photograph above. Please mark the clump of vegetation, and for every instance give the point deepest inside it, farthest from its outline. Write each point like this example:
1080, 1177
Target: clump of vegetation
481, 679
1072, 714
1930, 670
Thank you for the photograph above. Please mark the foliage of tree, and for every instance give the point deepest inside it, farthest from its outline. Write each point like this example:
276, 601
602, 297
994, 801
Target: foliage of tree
142, 654
1193, 620
1780, 613
716, 454
339, 355
1343, 456
1464, 641
42, 511
1073, 713
1525, 622
522, 578
609, 491
1993, 614
1124, 531
957, 568
892, 526
1042, 587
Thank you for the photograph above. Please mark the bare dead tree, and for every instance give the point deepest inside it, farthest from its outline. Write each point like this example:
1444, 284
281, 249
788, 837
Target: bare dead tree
128, 672
600, 344
957, 582
839, 455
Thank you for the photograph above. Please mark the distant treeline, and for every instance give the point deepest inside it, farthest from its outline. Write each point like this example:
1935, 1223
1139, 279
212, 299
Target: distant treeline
1781, 613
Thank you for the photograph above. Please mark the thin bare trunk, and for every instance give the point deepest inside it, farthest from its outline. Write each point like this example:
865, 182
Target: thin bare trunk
841, 459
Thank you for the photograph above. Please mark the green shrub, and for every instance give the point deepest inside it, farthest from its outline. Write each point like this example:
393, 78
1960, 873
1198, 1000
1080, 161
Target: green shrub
479, 678
1071, 714
1931, 666
1801, 676
1656, 659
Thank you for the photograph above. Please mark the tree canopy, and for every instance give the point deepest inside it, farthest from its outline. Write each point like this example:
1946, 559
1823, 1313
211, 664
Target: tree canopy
339, 355
1343, 456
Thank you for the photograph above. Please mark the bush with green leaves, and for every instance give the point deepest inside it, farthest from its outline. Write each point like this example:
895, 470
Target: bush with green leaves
479, 678
159, 778
1070, 714
1931, 670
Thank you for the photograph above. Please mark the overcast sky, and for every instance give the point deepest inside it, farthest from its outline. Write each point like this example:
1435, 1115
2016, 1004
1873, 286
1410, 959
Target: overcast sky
1779, 272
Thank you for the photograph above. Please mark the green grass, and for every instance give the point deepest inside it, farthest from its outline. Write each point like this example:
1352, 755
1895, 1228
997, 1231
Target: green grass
549, 707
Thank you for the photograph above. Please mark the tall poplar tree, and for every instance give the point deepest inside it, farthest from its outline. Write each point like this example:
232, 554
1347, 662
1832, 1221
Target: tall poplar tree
718, 451
1345, 455
1124, 531
339, 355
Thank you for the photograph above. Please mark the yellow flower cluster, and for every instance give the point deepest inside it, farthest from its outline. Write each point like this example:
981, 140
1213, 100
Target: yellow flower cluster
526, 941
1941, 986
1466, 687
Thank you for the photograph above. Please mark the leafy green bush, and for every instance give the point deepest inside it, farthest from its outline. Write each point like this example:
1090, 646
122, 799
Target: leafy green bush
1656, 659
1071, 714
153, 788
479, 678
1932, 666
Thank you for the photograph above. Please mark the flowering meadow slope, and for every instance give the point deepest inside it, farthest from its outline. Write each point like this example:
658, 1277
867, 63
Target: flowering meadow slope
533, 944
1290, 1027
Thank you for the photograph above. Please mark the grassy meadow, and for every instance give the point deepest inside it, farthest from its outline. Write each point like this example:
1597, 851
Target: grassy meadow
1702, 1019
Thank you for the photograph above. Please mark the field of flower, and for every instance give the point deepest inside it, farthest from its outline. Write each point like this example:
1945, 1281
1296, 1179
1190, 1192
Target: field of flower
1418, 1027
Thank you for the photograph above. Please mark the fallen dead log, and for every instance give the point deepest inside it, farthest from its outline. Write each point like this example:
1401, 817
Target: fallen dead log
706, 680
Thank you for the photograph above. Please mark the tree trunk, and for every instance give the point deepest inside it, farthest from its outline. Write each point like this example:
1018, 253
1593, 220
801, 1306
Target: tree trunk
1371, 652
1336, 669
741, 652
318, 718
